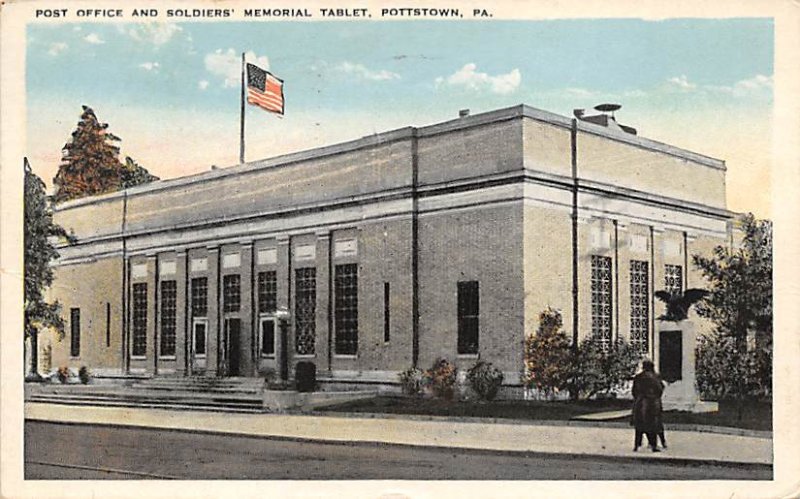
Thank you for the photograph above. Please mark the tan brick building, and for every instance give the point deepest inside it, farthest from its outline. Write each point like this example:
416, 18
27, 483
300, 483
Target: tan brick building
390, 250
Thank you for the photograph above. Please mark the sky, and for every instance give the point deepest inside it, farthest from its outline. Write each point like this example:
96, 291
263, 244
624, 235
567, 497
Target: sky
171, 91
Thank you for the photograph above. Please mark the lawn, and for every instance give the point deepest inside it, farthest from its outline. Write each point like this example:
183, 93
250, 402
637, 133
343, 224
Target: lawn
504, 409
756, 415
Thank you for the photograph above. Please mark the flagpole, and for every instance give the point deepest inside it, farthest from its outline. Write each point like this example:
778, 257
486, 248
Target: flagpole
241, 121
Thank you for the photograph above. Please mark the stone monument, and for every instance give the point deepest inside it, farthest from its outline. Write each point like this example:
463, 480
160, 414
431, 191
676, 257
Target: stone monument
675, 342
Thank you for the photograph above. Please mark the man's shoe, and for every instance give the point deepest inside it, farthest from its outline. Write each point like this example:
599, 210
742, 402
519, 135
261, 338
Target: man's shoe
636, 448
656, 449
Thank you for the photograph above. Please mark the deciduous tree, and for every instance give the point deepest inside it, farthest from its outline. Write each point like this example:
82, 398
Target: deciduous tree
39, 234
740, 284
740, 306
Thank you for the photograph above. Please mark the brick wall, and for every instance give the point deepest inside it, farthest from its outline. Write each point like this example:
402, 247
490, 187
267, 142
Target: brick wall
484, 245
90, 287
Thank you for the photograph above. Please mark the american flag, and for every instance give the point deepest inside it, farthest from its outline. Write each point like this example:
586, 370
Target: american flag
264, 90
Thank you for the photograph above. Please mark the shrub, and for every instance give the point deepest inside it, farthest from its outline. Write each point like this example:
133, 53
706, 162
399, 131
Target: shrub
547, 355
63, 374
305, 376
411, 381
726, 370
600, 368
442, 377
84, 375
485, 380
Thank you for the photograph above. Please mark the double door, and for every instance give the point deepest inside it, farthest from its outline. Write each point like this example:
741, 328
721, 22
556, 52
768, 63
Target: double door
229, 358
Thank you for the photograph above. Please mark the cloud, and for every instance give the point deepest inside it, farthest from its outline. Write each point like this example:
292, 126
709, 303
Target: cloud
468, 77
681, 83
758, 84
749, 87
57, 48
154, 33
228, 65
202, 84
149, 66
361, 71
93, 39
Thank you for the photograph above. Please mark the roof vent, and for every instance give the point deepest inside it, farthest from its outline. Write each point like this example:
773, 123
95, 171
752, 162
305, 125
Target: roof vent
463, 113
605, 119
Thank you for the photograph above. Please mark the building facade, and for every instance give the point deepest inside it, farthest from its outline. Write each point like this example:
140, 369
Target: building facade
389, 251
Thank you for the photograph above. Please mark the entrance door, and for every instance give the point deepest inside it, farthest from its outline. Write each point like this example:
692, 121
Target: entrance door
670, 355
231, 347
199, 341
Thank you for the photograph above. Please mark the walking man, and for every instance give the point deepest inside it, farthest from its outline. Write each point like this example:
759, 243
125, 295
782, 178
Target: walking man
647, 389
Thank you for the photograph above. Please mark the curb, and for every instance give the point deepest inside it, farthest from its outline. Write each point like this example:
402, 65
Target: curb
643, 457
720, 430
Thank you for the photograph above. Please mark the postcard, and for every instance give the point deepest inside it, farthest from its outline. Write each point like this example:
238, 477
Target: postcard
399, 250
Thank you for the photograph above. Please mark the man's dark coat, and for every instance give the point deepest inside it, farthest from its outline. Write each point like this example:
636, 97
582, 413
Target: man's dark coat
647, 390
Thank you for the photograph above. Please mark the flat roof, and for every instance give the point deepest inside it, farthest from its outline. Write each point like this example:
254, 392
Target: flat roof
469, 121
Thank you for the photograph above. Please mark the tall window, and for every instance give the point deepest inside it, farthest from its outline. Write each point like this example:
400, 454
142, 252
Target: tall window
199, 294
139, 319
468, 313
305, 310
231, 293
267, 292
346, 308
386, 321
601, 299
673, 278
75, 332
168, 298
640, 305
108, 324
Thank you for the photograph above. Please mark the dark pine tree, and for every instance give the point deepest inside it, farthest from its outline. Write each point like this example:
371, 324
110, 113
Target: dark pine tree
135, 174
90, 163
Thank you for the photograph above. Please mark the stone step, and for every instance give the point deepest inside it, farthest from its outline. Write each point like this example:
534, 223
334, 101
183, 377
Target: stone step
156, 395
201, 389
604, 416
202, 384
133, 399
149, 405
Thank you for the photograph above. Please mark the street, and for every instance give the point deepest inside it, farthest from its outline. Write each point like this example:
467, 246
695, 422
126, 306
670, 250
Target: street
68, 451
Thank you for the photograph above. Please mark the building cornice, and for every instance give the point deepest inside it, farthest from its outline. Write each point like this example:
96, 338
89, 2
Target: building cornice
406, 133
432, 190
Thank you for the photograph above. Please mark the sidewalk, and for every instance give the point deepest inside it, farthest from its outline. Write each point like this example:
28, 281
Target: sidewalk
549, 439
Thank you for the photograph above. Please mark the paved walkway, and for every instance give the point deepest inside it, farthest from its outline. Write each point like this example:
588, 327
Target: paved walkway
571, 440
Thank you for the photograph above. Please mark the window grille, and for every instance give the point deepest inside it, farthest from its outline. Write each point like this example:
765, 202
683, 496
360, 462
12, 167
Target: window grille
139, 319
673, 278
305, 310
168, 299
231, 293
640, 306
199, 293
267, 292
602, 299
346, 308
